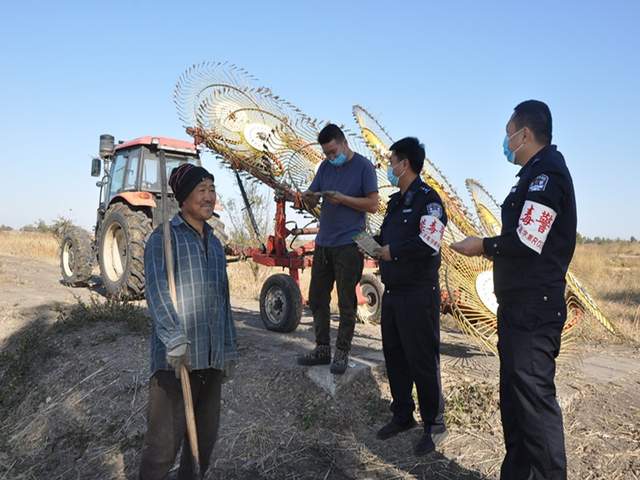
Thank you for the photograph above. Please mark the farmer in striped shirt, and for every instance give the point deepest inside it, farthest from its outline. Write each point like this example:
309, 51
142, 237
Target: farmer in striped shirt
200, 334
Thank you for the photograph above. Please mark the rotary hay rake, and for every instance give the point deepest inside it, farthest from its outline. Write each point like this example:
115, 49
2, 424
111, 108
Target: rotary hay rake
263, 138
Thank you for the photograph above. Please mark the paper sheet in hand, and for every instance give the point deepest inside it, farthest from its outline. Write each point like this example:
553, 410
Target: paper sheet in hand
366, 243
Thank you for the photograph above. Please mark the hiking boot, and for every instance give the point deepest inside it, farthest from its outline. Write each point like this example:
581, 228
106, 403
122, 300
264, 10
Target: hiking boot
431, 439
321, 355
439, 436
425, 445
340, 362
392, 429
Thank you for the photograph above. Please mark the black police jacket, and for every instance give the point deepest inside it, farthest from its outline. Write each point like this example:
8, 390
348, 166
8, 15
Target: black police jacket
412, 227
532, 254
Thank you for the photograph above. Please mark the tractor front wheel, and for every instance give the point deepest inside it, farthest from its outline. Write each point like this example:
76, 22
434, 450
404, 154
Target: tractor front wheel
280, 303
122, 237
76, 257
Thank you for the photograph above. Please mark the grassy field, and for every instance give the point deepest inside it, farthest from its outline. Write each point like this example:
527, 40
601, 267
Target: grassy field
611, 274
29, 244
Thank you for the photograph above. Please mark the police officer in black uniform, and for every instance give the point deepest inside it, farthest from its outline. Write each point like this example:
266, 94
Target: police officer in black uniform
530, 260
409, 261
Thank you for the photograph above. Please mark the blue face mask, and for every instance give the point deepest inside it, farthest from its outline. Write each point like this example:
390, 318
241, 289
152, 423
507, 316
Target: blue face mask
394, 179
339, 160
510, 154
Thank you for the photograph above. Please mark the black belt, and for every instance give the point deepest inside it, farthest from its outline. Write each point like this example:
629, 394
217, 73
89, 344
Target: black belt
409, 289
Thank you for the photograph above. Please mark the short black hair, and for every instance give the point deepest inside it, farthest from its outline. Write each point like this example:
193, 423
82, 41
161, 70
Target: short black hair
411, 149
535, 115
331, 132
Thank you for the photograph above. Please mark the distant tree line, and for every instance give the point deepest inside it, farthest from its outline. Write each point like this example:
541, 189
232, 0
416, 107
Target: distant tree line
241, 231
600, 240
55, 227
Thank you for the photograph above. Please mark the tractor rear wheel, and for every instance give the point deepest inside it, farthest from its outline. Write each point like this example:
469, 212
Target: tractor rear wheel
372, 290
76, 257
122, 237
280, 303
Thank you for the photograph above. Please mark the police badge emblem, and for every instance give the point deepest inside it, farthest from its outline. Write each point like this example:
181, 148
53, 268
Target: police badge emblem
539, 183
435, 210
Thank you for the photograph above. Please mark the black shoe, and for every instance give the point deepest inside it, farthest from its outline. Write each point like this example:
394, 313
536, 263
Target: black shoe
340, 362
425, 445
392, 429
321, 355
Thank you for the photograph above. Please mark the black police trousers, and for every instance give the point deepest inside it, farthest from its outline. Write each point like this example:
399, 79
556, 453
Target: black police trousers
411, 346
528, 344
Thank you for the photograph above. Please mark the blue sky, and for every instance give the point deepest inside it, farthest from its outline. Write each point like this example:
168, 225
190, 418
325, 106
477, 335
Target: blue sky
447, 72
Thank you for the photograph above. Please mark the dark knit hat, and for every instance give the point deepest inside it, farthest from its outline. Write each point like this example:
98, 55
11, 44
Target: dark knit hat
185, 178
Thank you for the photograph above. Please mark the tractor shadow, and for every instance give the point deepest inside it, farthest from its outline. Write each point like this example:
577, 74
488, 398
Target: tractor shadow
93, 285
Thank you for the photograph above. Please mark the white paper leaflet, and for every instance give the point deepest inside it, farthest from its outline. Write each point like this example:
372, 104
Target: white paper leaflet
534, 224
431, 231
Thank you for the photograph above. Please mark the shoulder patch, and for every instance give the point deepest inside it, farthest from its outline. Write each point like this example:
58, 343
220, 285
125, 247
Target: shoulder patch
425, 189
435, 210
539, 183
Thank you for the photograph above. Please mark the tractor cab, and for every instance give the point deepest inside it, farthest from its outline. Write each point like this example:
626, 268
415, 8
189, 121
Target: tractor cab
132, 172
128, 209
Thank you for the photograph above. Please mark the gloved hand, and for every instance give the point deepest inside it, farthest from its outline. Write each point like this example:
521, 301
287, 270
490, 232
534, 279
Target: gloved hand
229, 370
179, 356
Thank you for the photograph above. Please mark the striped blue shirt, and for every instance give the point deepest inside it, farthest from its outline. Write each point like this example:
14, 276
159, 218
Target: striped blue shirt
202, 290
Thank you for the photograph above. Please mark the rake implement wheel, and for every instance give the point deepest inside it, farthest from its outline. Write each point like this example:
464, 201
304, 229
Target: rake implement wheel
469, 286
280, 303
487, 208
585, 302
372, 290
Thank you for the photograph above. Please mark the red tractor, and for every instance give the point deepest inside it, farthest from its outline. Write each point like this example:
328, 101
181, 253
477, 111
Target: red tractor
127, 213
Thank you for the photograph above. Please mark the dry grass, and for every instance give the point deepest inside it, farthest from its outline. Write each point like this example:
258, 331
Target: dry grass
611, 274
32, 346
29, 244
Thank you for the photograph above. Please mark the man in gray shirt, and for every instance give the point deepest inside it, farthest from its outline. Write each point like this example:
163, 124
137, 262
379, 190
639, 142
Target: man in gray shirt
347, 183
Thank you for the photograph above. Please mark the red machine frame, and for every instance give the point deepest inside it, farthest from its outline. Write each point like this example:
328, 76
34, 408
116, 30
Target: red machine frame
277, 254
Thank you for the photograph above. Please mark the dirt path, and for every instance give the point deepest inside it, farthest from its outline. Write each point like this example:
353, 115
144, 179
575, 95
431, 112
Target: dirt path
83, 414
31, 289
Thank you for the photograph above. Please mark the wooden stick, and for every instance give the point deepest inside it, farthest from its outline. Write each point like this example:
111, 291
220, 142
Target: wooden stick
192, 433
